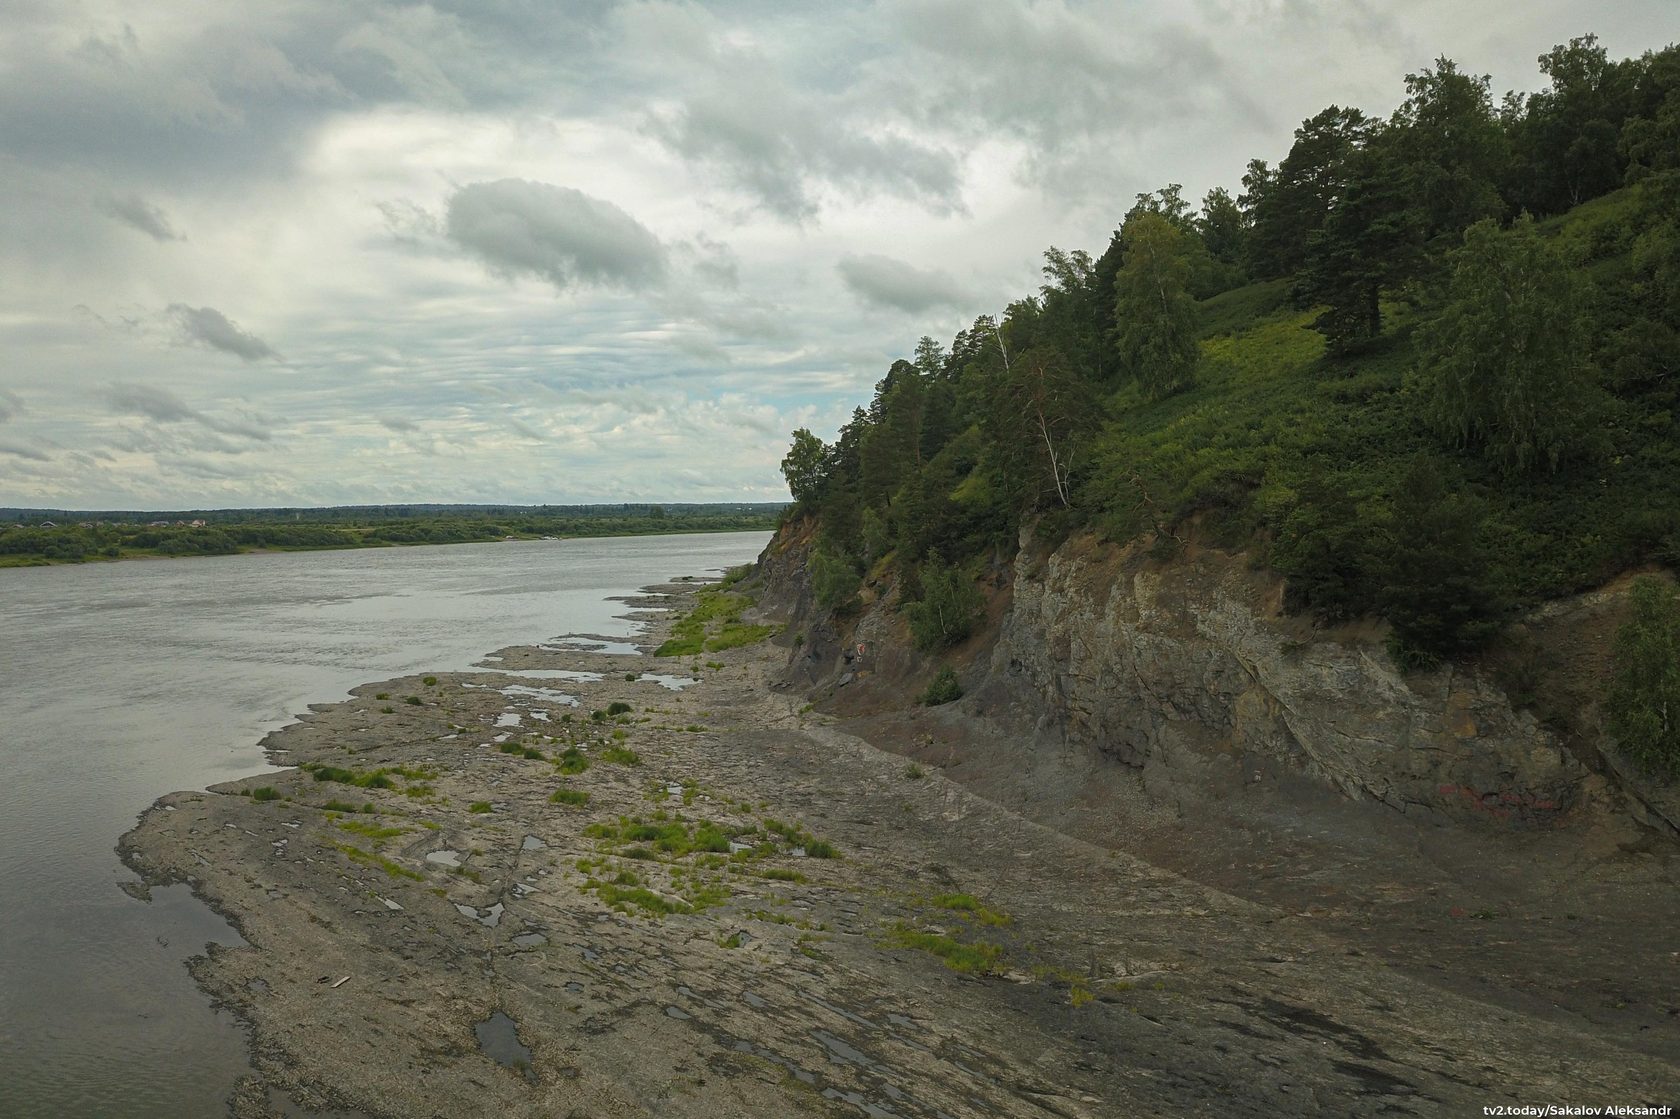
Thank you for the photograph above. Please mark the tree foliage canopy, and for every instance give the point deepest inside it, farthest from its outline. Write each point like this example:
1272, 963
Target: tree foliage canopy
1156, 331
1505, 365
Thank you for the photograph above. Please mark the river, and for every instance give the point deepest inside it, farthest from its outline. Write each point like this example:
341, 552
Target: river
121, 682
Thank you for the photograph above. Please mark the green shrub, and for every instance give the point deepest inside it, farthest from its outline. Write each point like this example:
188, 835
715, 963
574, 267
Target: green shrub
1644, 700
969, 959
834, 581
375, 779
943, 688
575, 797
265, 792
949, 606
480, 806
618, 708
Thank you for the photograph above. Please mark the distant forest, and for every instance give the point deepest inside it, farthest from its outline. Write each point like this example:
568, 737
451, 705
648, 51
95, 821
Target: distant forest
1425, 367
39, 536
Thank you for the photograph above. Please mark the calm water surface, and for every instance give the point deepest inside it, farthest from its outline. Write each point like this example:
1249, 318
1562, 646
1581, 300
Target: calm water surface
121, 682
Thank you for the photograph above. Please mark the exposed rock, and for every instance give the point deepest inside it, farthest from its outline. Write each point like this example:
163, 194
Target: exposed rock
1187, 671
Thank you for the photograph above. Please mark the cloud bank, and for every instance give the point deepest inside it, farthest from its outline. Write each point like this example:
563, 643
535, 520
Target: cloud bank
333, 251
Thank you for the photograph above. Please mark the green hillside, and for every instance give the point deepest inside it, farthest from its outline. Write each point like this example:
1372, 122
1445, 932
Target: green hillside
1425, 368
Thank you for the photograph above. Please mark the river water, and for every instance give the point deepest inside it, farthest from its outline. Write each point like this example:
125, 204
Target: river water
121, 682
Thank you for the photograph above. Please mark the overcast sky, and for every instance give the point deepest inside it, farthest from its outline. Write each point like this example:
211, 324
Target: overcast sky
260, 252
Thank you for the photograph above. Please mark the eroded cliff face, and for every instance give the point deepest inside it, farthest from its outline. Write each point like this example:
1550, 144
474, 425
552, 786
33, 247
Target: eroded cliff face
1188, 672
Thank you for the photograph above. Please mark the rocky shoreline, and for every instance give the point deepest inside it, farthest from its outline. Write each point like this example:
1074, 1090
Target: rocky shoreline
476, 895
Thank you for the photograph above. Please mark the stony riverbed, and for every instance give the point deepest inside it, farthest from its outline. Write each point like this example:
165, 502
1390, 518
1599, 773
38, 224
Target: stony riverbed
588, 882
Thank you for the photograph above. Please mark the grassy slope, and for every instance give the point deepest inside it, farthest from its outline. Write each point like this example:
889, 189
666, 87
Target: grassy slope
1269, 410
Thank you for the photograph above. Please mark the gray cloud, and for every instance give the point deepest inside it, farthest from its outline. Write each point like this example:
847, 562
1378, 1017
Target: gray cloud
713, 261
10, 405
23, 452
781, 146
399, 425
517, 227
164, 407
893, 284
210, 327
137, 213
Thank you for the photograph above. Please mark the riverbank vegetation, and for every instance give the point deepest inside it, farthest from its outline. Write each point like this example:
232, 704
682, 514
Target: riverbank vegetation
33, 537
1424, 367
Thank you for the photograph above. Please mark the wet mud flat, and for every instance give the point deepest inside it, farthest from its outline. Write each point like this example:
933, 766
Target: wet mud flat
588, 882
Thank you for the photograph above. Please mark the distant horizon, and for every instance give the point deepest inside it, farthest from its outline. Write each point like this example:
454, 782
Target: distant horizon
13, 511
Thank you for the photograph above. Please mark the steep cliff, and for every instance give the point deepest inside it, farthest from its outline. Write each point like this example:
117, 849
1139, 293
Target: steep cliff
1187, 672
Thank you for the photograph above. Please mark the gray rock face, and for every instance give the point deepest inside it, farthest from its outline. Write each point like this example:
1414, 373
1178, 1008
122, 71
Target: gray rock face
1188, 671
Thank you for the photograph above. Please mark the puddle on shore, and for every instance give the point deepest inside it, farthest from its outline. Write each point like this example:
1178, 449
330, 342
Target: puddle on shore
591, 645
841, 1052
489, 918
573, 675
508, 719
803, 1075
670, 683
548, 695
444, 858
678, 1013
531, 843
498, 1036
529, 940
516, 691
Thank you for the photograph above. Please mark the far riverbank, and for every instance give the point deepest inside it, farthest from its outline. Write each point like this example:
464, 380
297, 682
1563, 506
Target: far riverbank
38, 540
